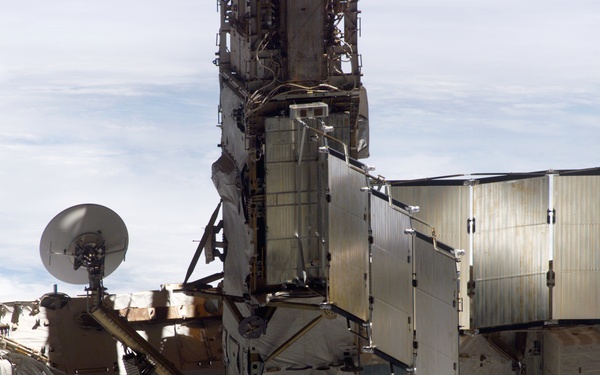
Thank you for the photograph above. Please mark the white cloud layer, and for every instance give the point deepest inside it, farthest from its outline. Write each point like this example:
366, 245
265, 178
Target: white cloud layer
480, 86
115, 103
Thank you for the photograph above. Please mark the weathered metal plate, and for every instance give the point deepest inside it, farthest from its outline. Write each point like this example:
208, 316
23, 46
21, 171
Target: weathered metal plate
571, 351
284, 234
511, 252
436, 318
283, 178
576, 244
165, 313
446, 209
391, 288
305, 19
347, 240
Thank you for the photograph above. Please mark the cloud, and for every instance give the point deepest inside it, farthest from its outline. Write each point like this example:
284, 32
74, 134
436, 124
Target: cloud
137, 39
114, 104
455, 127
147, 156
534, 42
471, 86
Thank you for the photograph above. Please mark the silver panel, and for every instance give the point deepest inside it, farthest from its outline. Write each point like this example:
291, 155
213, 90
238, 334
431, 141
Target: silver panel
436, 317
576, 254
511, 252
282, 201
348, 239
281, 187
391, 273
445, 208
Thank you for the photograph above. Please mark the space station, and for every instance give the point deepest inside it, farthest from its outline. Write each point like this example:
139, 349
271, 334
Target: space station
327, 267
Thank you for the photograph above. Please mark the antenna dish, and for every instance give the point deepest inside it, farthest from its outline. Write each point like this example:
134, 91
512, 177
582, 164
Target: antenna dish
82, 234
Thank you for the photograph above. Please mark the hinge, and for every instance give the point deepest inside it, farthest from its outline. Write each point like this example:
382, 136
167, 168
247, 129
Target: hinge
470, 225
471, 288
551, 218
550, 278
414, 283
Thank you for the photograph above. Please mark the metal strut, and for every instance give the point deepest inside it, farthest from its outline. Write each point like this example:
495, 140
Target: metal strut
129, 337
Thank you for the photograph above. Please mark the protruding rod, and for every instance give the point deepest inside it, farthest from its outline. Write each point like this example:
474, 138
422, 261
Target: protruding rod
294, 338
129, 337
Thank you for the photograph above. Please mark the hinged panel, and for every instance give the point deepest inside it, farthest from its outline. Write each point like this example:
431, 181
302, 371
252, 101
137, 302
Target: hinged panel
511, 252
392, 277
446, 208
436, 317
576, 244
348, 239
287, 183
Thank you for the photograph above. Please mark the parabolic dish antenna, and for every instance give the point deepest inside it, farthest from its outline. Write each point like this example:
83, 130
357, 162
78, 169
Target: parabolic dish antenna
79, 233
